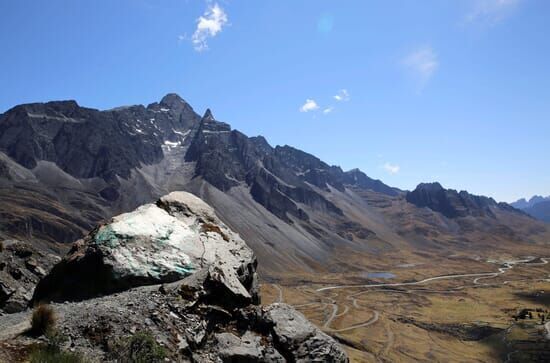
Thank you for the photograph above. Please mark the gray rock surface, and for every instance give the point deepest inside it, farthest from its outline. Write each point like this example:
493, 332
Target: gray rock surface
453, 204
299, 340
233, 348
21, 267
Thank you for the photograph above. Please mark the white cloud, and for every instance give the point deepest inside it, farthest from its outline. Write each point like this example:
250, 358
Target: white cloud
208, 25
328, 110
342, 95
310, 105
391, 168
491, 11
423, 63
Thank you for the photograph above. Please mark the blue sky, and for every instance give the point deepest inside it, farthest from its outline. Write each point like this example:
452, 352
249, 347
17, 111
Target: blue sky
453, 91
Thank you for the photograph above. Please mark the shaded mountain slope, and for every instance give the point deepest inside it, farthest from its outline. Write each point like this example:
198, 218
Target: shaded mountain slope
524, 203
537, 206
540, 211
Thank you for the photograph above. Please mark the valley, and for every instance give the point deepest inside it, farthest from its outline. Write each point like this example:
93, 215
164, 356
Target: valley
453, 309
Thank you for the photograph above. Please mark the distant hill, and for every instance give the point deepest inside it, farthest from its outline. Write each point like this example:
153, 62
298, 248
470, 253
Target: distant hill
540, 211
537, 206
524, 203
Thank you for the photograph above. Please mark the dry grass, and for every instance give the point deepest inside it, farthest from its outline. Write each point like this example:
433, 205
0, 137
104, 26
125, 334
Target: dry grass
139, 348
434, 305
43, 319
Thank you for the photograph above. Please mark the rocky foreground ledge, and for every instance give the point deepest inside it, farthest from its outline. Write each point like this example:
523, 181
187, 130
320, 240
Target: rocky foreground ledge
172, 269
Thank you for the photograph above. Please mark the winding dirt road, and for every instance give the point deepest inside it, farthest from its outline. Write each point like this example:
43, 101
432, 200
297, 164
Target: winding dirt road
332, 316
371, 321
478, 276
506, 265
280, 291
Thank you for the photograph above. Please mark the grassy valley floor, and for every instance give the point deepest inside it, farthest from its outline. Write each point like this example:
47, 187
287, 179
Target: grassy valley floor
456, 308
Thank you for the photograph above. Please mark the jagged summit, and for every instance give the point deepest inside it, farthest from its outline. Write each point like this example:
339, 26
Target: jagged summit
208, 115
172, 98
524, 203
537, 206
435, 186
357, 177
175, 102
453, 204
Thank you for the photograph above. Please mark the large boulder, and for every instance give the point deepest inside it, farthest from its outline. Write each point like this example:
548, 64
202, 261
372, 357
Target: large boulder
157, 243
299, 340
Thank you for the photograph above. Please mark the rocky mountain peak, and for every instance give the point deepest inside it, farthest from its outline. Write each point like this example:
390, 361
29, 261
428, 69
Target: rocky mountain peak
208, 115
524, 203
174, 101
537, 206
451, 203
60, 109
520, 203
359, 179
433, 187
172, 98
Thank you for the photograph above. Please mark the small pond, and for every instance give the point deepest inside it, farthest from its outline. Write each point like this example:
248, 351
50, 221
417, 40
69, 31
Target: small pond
378, 275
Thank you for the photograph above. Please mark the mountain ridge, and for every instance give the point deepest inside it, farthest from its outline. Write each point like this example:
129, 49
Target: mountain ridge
524, 203
537, 207
74, 167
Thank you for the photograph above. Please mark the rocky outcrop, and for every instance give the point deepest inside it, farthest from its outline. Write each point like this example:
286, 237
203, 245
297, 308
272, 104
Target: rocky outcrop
174, 270
88, 143
453, 204
298, 339
359, 179
157, 243
21, 267
198, 327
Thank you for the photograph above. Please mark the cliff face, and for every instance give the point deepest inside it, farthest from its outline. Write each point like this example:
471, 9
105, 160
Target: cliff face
454, 204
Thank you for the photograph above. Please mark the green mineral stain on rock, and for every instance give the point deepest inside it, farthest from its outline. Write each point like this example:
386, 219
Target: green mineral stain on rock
107, 236
184, 270
166, 237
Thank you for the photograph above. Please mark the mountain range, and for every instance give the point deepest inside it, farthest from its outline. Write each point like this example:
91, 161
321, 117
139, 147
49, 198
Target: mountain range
537, 206
65, 168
